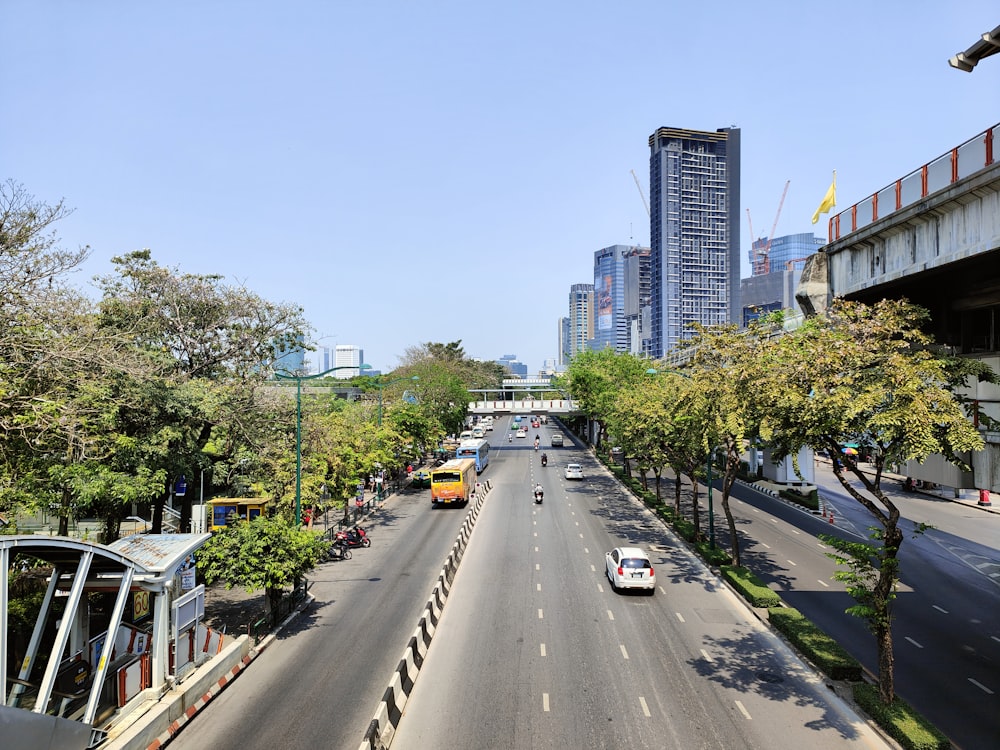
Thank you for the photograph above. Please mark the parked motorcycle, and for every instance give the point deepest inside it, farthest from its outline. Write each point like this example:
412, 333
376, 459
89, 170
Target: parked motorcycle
355, 537
339, 550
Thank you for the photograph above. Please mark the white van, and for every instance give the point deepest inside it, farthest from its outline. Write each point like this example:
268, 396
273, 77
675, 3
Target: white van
478, 433
465, 435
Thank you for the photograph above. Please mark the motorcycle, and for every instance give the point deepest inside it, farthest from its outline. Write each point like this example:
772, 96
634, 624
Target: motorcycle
339, 550
545, 460
510, 438
539, 494
355, 537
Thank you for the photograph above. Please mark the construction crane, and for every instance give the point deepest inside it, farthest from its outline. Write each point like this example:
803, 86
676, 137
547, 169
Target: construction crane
641, 194
761, 259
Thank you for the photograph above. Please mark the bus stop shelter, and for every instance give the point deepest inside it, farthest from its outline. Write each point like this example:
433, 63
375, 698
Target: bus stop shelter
63, 703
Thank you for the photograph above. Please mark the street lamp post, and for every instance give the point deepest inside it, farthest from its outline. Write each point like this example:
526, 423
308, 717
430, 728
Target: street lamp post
298, 426
380, 385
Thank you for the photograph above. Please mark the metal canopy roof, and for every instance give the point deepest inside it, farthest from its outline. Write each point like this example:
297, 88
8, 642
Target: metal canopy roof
988, 44
149, 555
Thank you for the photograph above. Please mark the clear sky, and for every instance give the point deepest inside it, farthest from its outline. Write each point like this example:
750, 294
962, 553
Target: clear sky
431, 171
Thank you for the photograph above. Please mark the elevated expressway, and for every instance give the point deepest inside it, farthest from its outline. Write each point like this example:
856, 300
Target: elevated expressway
933, 237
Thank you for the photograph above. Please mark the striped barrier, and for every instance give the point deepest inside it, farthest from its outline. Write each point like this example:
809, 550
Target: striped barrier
382, 727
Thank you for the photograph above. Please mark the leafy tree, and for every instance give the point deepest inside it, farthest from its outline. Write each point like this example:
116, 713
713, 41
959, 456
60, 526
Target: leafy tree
598, 377
265, 553
865, 370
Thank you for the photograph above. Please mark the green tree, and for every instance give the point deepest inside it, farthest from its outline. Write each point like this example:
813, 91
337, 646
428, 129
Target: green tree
265, 553
597, 378
865, 371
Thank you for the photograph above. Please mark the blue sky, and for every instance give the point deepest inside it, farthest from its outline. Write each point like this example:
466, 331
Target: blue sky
411, 172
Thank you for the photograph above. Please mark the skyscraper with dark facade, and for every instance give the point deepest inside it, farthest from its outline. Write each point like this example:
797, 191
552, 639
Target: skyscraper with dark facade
694, 185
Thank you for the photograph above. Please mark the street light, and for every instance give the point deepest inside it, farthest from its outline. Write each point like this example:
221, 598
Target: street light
708, 470
298, 426
380, 385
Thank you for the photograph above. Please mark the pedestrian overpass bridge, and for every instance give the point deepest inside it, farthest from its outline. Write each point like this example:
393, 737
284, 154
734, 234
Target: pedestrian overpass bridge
933, 237
560, 407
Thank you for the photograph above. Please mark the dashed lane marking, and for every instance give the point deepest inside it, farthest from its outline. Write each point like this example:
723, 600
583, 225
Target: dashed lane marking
645, 708
743, 710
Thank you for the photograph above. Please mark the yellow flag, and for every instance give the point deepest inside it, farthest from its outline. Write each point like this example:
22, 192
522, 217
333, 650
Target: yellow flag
829, 200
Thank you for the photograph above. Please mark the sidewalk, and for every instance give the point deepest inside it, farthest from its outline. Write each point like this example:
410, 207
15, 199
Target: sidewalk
969, 498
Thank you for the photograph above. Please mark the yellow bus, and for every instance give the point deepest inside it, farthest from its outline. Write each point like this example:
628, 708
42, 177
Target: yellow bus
453, 481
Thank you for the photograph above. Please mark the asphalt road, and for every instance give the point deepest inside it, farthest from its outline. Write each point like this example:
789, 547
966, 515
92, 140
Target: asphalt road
947, 612
534, 650
319, 683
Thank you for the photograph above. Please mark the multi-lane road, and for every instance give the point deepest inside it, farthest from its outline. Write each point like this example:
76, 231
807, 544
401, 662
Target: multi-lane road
535, 650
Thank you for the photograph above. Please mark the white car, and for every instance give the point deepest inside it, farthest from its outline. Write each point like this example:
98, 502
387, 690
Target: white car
574, 471
488, 426
522, 433
629, 568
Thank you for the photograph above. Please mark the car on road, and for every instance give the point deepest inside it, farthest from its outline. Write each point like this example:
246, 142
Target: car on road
557, 440
574, 471
536, 423
523, 432
629, 568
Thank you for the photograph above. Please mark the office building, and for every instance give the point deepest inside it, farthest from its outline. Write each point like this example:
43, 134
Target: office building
637, 310
785, 252
610, 326
564, 355
513, 366
290, 359
581, 318
351, 357
694, 185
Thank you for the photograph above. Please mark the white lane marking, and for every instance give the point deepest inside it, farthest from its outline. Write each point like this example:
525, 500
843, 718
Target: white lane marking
538, 587
792, 563
940, 609
756, 510
774, 520
540, 613
611, 615
600, 588
912, 641
536, 549
794, 531
624, 652
645, 708
823, 583
577, 523
743, 709
535, 534
587, 551
538, 566
981, 686
545, 702
765, 546
543, 649
581, 536
593, 568
679, 616
704, 654
995, 638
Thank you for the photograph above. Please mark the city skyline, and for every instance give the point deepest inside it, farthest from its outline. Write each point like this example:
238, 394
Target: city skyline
348, 158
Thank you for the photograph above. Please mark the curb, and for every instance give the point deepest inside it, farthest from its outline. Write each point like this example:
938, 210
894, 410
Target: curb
191, 711
384, 722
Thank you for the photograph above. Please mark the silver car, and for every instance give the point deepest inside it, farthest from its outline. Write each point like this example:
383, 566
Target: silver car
629, 568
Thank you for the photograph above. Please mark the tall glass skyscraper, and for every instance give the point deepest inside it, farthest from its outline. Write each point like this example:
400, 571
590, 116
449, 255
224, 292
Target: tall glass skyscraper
610, 327
694, 185
783, 251
581, 317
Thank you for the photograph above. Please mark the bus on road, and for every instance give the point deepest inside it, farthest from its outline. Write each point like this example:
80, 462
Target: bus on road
453, 481
478, 450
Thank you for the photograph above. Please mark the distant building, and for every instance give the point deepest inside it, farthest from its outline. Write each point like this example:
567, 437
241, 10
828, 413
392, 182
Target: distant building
290, 360
564, 355
783, 251
637, 309
694, 185
610, 326
581, 318
324, 359
775, 290
511, 363
351, 357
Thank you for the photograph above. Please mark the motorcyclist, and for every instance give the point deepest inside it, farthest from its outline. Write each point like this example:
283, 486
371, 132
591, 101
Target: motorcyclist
510, 437
545, 459
539, 492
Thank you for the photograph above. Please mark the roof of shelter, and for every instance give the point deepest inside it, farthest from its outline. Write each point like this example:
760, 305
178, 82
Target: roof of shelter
149, 555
